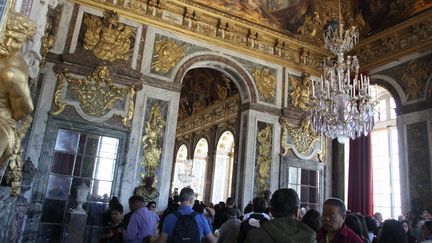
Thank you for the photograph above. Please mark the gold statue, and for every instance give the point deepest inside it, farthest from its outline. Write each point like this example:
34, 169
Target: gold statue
15, 99
147, 191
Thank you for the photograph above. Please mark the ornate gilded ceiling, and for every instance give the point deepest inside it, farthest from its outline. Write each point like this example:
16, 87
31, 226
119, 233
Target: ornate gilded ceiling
288, 32
289, 16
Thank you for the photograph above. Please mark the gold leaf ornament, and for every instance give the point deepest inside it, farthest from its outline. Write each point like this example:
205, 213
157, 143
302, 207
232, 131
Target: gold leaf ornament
152, 150
167, 53
96, 93
107, 38
265, 81
264, 158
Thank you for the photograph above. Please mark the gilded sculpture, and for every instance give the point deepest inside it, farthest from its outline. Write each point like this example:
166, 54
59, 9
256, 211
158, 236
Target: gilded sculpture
264, 158
300, 91
167, 53
152, 150
315, 24
16, 162
265, 81
303, 137
109, 39
15, 99
146, 190
96, 93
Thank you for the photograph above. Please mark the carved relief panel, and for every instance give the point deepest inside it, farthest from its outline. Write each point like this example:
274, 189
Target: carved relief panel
95, 97
156, 112
303, 140
104, 36
263, 157
413, 77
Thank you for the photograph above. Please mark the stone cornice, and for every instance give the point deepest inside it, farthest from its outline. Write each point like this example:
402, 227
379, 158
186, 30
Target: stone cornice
221, 29
412, 35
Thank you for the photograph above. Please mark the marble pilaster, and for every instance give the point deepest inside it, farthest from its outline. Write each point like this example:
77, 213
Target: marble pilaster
166, 160
415, 132
247, 153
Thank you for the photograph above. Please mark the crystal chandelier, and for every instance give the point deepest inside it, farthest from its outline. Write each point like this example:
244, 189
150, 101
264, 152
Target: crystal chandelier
186, 175
341, 102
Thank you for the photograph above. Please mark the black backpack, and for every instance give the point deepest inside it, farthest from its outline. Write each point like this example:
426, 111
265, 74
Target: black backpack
186, 229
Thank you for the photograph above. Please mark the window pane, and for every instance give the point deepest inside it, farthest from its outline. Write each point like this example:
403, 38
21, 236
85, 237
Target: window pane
58, 187
92, 145
386, 175
53, 211
62, 163
67, 141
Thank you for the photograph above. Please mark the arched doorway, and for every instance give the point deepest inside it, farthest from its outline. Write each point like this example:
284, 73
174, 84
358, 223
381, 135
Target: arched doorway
209, 106
223, 168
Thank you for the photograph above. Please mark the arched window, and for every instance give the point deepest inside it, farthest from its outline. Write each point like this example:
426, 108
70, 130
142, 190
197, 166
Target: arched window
386, 180
223, 168
199, 168
181, 174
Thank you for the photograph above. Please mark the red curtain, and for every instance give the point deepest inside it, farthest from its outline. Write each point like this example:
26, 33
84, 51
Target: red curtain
360, 190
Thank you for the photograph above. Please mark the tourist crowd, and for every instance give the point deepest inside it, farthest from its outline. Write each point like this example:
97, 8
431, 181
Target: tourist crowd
267, 219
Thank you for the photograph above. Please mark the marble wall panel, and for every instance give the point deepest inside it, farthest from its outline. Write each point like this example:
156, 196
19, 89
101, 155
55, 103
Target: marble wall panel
419, 164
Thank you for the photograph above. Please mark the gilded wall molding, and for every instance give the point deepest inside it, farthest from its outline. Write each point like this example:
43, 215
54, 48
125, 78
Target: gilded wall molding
265, 81
106, 37
153, 130
303, 140
94, 96
206, 24
413, 35
263, 158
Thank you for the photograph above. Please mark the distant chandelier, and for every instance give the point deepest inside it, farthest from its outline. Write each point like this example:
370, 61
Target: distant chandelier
186, 175
341, 107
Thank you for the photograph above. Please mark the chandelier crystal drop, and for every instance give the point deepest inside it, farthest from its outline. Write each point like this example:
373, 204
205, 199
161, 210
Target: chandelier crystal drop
341, 102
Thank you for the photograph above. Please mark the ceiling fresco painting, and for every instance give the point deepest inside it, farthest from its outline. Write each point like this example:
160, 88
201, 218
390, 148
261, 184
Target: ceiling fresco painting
288, 16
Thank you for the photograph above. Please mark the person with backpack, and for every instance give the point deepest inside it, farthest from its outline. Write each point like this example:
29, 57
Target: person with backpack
284, 227
184, 224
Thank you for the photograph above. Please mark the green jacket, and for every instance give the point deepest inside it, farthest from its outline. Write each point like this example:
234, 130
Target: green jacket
282, 230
